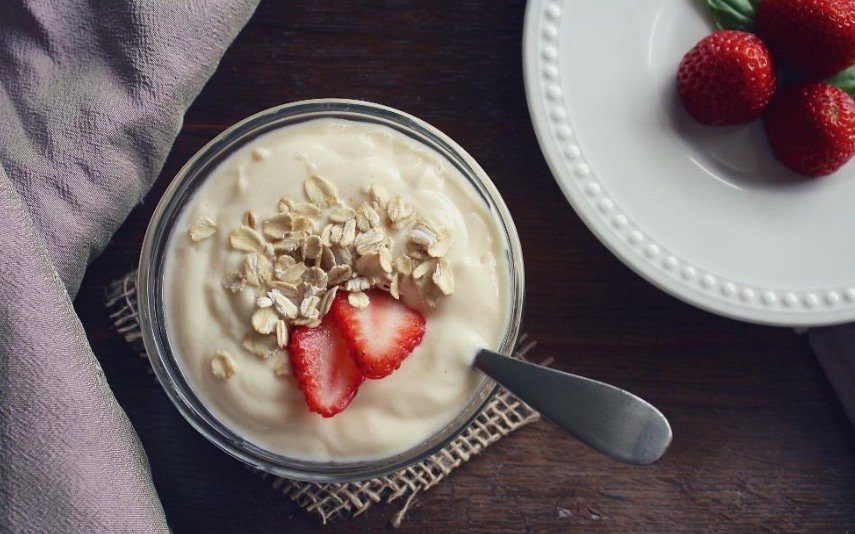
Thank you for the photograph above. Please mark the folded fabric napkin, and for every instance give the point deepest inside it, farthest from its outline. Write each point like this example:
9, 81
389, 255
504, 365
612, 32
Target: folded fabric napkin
835, 348
92, 97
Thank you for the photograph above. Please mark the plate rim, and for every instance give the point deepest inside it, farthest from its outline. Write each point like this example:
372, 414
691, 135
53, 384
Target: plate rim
586, 195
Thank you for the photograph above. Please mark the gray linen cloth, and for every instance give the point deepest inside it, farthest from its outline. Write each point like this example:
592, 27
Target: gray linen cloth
835, 348
92, 95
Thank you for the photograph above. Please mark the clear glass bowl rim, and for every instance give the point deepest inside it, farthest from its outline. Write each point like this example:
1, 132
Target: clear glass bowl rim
149, 287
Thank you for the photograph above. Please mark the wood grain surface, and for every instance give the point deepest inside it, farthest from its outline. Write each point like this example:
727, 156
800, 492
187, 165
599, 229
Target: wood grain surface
761, 442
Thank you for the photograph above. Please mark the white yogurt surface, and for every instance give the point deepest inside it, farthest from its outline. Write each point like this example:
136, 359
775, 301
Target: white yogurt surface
387, 416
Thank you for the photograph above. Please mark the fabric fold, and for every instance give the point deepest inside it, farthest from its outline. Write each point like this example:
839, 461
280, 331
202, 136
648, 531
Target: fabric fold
92, 95
835, 348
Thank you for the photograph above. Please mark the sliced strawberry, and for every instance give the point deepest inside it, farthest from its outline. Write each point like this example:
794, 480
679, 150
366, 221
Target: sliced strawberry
325, 370
381, 335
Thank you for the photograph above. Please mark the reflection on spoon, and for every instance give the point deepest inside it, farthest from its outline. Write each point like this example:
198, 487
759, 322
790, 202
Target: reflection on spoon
608, 419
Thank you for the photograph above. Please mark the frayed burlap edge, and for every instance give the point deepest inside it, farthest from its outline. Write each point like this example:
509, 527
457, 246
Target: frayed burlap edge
503, 415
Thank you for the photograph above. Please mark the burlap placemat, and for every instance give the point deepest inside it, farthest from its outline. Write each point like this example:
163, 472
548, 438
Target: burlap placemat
502, 416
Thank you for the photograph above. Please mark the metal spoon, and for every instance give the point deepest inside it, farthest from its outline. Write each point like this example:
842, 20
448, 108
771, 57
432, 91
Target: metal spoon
608, 419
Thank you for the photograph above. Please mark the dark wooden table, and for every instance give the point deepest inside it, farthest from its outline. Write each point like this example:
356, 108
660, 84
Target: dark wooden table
761, 442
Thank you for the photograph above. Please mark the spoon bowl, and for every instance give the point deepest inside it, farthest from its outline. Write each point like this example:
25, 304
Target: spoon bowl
604, 417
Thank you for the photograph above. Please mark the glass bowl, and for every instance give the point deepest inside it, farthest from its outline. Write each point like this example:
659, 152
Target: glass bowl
150, 285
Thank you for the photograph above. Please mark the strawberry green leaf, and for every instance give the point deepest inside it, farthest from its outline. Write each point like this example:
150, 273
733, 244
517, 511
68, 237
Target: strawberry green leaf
845, 80
733, 14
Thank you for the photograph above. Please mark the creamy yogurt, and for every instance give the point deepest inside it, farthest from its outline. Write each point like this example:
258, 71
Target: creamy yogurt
387, 416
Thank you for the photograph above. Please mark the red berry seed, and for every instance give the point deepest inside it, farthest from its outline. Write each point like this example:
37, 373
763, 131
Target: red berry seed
727, 78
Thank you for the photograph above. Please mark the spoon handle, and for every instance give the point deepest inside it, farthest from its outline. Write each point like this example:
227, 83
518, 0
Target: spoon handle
608, 419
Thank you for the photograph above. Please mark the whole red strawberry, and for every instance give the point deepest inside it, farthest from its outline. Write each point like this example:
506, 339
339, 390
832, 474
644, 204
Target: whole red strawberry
727, 78
811, 128
817, 37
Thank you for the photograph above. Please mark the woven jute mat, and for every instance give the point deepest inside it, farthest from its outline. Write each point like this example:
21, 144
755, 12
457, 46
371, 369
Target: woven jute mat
502, 416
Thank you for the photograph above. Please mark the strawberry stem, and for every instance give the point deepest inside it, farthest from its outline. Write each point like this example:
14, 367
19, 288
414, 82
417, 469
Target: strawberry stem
845, 80
733, 14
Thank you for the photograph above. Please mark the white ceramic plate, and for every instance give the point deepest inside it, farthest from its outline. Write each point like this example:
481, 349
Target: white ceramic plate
704, 213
